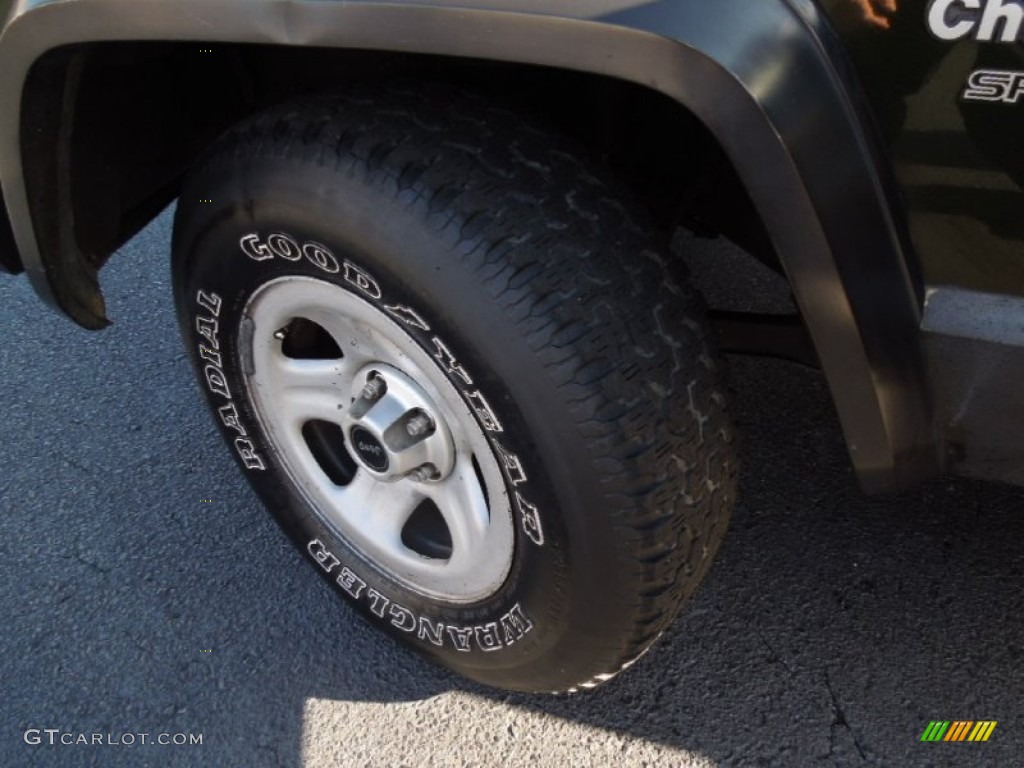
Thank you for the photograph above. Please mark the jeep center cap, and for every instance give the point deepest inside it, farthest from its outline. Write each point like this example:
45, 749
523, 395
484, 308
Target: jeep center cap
369, 450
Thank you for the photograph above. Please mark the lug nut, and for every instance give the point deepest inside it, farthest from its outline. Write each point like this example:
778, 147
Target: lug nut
374, 388
280, 333
423, 473
420, 424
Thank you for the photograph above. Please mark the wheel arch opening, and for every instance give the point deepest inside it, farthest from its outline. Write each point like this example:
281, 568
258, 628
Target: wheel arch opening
109, 129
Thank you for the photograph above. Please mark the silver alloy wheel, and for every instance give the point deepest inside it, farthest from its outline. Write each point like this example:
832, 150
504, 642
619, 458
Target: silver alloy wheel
380, 406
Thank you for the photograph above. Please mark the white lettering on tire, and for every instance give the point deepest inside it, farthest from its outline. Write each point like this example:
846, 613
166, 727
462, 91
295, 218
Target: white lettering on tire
402, 618
210, 356
431, 631
408, 316
284, 246
320, 256
216, 382
247, 452
361, 280
484, 412
378, 603
324, 559
351, 583
487, 636
210, 302
515, 624
531, 520
510, 463
511, 627
208, 327
229, 418
255, 249
447, 359
460, 637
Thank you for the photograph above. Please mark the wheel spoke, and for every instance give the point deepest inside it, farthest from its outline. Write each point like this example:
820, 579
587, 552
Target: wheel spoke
312, 389
380, 510
462, 504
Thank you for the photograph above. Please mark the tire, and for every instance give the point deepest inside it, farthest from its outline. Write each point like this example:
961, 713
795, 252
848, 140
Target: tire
450, 360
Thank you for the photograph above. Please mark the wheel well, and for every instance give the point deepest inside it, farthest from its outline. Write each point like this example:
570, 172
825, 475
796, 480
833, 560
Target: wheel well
110, 128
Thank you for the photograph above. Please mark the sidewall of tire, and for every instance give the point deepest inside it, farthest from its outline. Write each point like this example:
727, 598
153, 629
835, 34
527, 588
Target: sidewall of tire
558, 586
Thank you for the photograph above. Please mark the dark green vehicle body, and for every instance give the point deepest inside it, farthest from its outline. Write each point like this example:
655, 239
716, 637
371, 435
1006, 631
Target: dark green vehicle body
869, 149
959, 161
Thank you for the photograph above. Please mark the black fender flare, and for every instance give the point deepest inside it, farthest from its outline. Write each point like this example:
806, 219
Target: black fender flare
766, 78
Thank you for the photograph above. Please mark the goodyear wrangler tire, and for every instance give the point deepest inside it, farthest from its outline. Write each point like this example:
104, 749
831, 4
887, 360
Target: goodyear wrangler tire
449, 359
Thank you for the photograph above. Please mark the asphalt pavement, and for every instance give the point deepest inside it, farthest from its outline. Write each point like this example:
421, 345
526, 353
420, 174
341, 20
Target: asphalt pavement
144, 590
